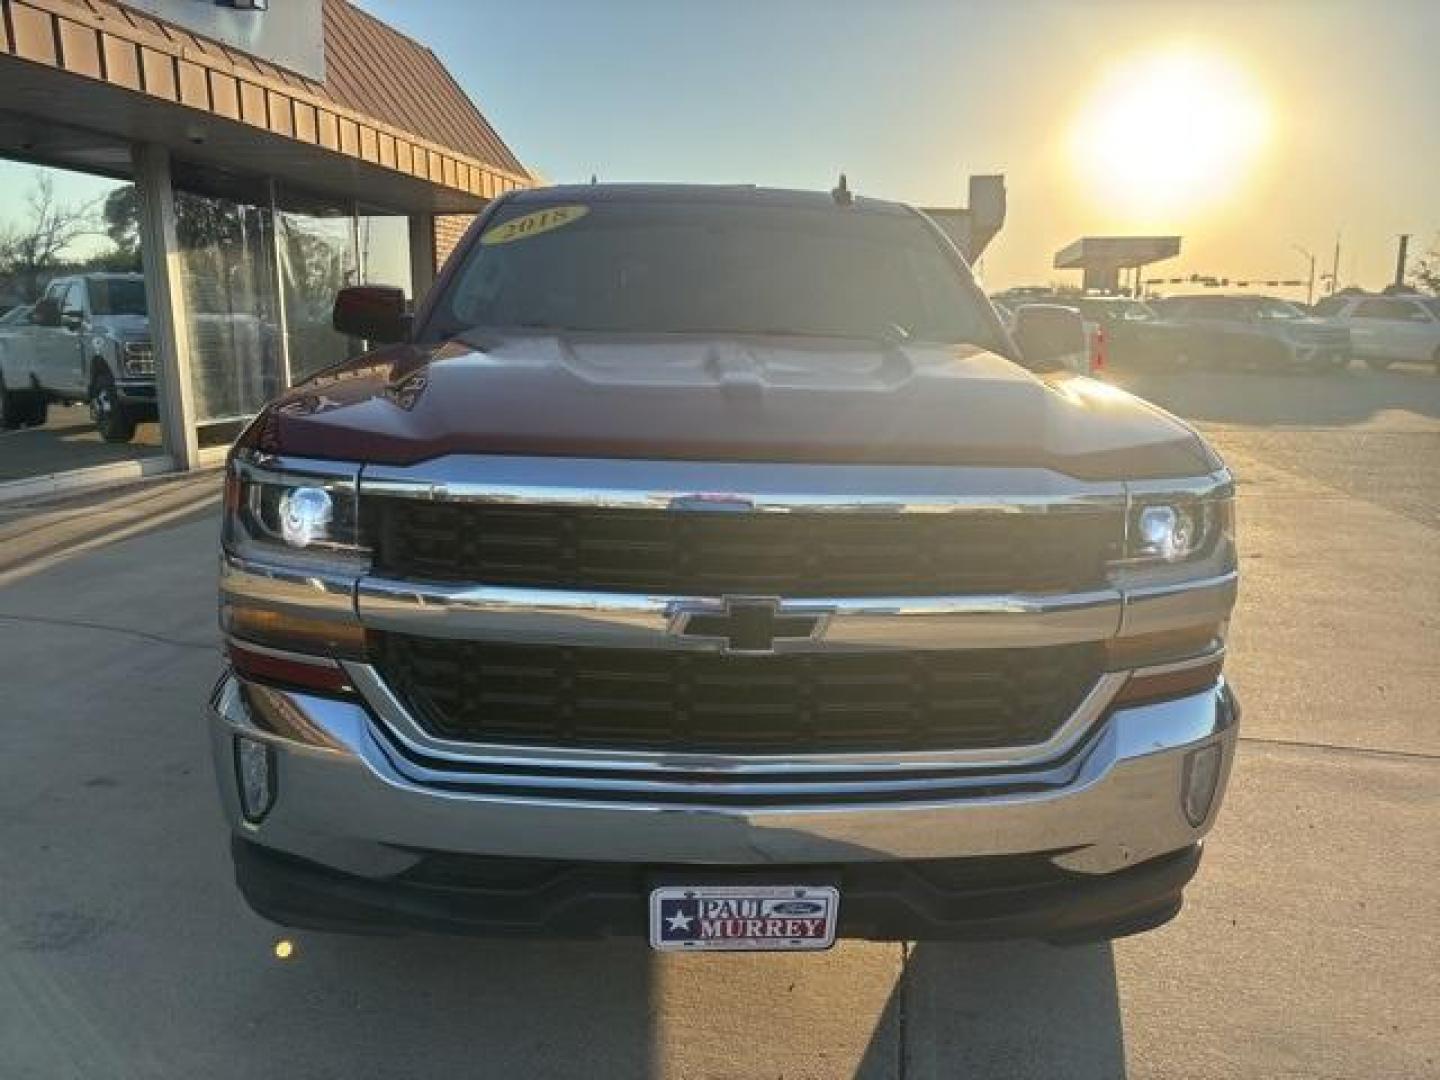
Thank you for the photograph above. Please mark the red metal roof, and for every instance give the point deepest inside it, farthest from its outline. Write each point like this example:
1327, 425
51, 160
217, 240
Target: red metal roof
374, 69
370, 68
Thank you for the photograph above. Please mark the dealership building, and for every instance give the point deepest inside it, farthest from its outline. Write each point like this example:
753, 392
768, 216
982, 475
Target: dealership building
248, 159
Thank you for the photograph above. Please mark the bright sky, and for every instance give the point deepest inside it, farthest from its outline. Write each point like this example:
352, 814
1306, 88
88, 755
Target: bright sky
1246, 127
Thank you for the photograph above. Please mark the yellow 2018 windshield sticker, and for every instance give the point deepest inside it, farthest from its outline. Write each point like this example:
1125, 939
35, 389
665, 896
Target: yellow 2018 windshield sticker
528, 225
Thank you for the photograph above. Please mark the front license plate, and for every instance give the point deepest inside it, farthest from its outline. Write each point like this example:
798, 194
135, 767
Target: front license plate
702, 918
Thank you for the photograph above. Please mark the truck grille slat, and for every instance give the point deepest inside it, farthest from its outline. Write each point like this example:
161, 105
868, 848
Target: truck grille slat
796, 554
625, 699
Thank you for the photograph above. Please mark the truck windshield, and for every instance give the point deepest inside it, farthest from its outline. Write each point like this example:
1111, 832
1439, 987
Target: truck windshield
117, 296
710, 268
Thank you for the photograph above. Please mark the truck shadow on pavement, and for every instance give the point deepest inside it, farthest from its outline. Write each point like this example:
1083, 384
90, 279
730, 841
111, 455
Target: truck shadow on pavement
526, 1008
433, 1006
1001, 1009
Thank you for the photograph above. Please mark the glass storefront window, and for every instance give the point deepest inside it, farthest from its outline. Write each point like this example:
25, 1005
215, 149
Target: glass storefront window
260, 267
243, 261
318, 258
385, 251
77, 372
233, 325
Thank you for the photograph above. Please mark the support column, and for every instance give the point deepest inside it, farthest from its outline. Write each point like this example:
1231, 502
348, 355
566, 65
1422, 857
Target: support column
277, 267
422, 255
165, 296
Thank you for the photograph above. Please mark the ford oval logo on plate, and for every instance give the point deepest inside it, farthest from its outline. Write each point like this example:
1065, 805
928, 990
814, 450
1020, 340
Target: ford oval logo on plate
797, 907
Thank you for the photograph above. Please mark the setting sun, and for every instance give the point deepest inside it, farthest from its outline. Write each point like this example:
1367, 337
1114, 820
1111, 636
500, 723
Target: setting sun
1169, 131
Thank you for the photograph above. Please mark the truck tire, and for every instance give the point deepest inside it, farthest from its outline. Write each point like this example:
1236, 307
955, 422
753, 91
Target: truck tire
22, 408
114, 422
14, 409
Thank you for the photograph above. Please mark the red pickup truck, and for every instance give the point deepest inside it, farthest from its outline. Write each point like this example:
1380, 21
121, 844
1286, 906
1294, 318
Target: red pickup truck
708, 565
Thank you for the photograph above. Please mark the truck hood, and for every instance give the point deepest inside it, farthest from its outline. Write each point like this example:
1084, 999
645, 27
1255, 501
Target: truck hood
790, 399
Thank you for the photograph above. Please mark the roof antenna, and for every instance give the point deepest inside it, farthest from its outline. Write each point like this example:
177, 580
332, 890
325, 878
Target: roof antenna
841, 193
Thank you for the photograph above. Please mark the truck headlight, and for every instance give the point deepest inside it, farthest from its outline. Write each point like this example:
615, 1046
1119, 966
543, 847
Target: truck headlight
291, 510
1164, 531
306, 514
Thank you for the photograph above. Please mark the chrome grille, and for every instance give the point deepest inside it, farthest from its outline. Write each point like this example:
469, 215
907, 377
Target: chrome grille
701, 702
139, 358
717, 552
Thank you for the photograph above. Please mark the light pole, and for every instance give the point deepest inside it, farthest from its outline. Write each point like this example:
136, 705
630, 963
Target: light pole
1310, 283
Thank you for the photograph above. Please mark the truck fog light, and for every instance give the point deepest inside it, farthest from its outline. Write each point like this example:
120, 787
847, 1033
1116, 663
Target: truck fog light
305, 516
1201, 777
255, 769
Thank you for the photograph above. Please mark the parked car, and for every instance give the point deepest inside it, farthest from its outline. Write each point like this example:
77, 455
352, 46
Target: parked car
1388, 329
1092, 358
1248, 332
1130, 328
87, 339
708, 565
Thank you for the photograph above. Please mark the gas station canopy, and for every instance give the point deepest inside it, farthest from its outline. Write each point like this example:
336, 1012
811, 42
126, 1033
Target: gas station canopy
1103, 257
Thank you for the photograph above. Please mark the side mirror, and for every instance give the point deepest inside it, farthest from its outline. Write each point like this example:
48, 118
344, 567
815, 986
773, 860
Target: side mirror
46, 313
373, 312
72, 320
1051, 336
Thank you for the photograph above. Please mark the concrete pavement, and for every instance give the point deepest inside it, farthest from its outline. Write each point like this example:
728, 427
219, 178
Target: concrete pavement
68, 440
1310, 944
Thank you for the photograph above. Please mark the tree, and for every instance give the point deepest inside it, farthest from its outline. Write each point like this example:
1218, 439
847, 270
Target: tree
33, 250
1426, 269
200, 222
121, 214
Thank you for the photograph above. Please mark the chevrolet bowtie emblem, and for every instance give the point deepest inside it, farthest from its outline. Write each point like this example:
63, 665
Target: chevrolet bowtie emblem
747, 625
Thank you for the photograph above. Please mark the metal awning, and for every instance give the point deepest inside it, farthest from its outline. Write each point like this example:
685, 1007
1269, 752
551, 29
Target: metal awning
63, 63
1115, 252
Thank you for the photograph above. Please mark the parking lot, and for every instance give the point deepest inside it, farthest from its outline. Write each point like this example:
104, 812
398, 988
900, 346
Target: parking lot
68, 440
1310, 944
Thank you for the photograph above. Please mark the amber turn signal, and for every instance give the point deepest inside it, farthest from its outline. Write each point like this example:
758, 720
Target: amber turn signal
1162, 684
282, 629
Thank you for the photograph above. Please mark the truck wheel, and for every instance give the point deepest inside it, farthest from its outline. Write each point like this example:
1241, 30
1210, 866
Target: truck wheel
1375, 363
115, 423
14, 409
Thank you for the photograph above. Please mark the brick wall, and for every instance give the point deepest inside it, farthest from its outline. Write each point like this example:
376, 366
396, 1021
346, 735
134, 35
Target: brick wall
449, 228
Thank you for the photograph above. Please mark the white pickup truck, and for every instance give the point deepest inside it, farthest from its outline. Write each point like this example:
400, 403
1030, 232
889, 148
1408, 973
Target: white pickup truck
86, 339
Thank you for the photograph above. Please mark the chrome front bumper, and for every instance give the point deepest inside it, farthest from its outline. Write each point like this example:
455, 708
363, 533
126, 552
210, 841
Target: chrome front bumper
349, 798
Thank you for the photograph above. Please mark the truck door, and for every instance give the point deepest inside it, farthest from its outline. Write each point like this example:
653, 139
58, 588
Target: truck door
69, 375
1211, 332
46, 338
